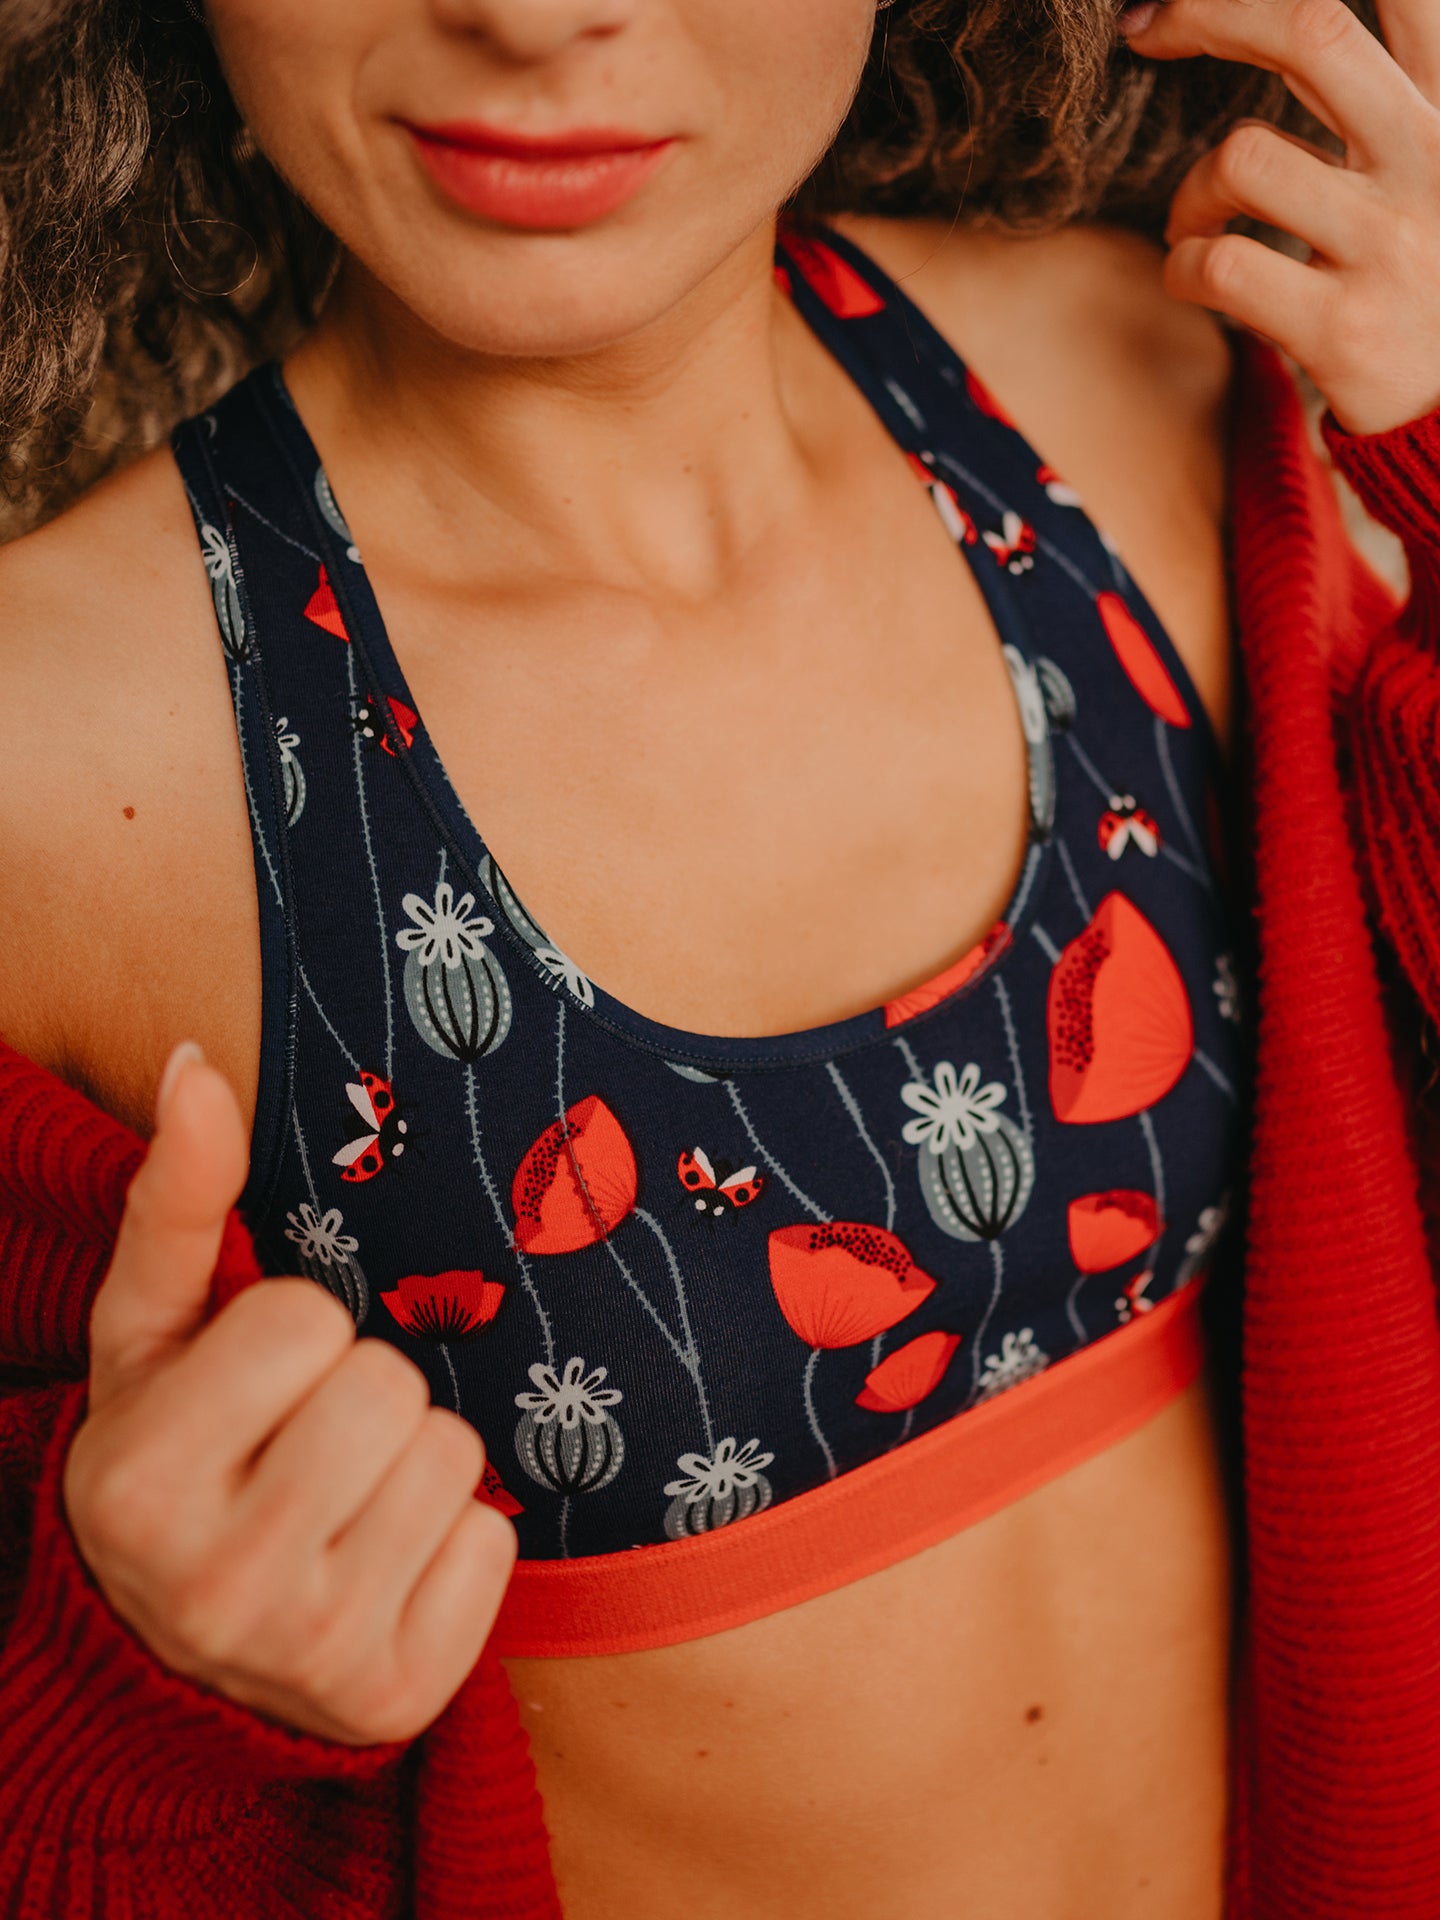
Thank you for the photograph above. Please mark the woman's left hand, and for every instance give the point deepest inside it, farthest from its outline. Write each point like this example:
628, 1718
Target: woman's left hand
1362, 315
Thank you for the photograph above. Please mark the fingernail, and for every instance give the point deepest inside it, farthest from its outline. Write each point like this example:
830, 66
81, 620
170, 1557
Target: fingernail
180, 1058
1136, 19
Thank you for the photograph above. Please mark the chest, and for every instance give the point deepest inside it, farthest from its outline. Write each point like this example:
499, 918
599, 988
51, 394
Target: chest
651, 1258
692, 796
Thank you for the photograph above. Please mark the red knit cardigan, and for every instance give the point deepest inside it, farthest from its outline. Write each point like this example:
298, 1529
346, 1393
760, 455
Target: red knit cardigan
126, 1791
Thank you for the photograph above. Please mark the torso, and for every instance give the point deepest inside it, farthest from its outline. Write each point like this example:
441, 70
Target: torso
741, 1770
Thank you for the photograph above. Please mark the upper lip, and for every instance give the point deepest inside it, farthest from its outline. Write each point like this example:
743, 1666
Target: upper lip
476, 137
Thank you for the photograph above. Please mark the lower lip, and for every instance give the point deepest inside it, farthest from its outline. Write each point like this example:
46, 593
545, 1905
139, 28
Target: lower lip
547, 192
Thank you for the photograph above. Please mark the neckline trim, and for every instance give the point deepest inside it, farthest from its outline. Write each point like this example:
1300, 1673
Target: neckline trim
700, 1055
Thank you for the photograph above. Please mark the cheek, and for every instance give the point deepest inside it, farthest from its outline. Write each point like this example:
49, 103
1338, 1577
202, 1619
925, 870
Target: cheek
295, 70
785, 73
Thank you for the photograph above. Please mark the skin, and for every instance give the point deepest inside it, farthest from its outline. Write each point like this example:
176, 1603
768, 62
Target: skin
1035, 1710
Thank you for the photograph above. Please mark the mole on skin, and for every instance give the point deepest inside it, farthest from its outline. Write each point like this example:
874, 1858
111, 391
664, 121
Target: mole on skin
129, 812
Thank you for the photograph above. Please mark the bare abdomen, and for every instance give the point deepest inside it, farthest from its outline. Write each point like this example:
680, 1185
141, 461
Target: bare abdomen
1027, 1722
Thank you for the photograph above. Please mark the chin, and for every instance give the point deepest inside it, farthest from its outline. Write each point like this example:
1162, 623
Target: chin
557, 295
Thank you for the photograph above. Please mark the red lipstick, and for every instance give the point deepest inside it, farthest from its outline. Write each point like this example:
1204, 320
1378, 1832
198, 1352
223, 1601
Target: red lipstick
541, 182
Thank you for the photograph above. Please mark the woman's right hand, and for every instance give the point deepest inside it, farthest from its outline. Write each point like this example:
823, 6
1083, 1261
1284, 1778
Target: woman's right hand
271, 1504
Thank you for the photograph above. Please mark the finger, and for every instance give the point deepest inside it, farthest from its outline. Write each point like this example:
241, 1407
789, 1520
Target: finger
155, 1295
454, 1603
325, 1462
1330, 62
244, 1375
1412, 33
1256, 286
1281, 180
411, 1513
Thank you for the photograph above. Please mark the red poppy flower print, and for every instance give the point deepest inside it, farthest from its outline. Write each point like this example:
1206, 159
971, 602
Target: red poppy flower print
576, 1184
370, 726
1107, 1229
843, 1282
904, 1378
833, 280
324, 609
1118, 1017
493, 1492
445, 1306
1136, 653
982, 397
931, 992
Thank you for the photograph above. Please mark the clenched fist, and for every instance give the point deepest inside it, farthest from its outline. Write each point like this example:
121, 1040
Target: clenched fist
271, 1504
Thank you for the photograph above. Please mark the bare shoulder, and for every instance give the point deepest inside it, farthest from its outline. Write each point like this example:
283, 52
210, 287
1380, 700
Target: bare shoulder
1119, 387
118, 769
1094, 294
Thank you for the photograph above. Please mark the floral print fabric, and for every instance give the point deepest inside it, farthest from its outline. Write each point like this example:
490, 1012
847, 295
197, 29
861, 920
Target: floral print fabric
676, 1279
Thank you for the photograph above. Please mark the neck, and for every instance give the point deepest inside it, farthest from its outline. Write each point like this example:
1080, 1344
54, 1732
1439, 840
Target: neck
657, 460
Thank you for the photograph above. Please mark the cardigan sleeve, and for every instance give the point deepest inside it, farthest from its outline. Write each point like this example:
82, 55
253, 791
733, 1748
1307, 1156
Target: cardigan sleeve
113, 1767
1392, 720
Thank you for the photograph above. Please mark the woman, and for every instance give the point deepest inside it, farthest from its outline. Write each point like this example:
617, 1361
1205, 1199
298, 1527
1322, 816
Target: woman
805, 1201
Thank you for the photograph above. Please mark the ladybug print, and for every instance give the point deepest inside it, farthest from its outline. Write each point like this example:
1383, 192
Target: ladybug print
1124, 824
956, 521
370, 725
1134, 1297
1060, 491
1014, 546
718, 1187
1039, 1206
379, 1132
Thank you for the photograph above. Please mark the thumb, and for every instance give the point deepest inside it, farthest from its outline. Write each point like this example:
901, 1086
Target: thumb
154, 1297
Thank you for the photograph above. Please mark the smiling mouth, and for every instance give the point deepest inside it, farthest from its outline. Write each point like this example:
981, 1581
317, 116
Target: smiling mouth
537, 183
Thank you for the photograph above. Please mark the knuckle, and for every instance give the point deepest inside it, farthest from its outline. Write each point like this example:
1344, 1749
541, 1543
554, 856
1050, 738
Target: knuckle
1319, 26
394, 1387
1243, 157
319, 1660
456, 1447
295, 1310
1221, 267
209, 1614
126, 1506
490, 1539
387, 1710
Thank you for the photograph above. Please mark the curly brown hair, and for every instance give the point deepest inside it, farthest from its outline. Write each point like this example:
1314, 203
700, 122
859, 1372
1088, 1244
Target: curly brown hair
148, 251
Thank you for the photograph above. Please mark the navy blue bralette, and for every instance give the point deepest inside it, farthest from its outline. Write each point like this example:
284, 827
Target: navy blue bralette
774, 1311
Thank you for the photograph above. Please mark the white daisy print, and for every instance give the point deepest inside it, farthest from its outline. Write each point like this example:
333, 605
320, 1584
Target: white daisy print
318, 1236
564, 968
571, 1396
448, 931
954, 1111
1018, 1359
732, 1466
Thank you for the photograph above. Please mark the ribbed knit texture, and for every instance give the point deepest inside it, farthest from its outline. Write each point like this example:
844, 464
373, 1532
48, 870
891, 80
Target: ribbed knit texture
128, 1792
1395, 730
1341, 1372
